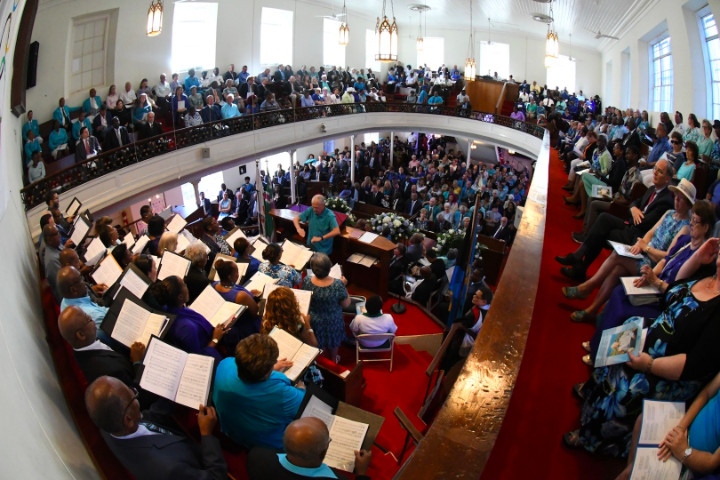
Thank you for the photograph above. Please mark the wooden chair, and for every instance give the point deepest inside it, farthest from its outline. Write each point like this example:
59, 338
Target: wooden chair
412, 432
384, 337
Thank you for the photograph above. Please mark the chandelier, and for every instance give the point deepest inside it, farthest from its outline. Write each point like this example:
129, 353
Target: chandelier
154, 18
552, 46
421, 9
419, 35
386, 36
470, 69
344, 37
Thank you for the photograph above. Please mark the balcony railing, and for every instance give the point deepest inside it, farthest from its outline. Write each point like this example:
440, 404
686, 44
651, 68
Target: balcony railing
112, 160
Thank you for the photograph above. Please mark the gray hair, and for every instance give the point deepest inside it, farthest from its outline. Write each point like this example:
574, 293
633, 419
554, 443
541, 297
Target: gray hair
320, 265
196, 253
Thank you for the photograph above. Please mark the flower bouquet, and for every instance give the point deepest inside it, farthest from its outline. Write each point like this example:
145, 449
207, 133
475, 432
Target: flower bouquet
399, 227
337, 204
452, 238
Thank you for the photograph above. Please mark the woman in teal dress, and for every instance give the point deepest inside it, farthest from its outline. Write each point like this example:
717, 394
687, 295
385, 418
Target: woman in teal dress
679, 356
329, 297
653, 247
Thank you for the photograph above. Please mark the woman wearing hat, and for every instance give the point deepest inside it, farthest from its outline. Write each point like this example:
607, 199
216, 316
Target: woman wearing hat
653, 247
373, 321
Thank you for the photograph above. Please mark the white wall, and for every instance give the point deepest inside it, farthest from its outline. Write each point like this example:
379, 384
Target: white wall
690, 89
238, 41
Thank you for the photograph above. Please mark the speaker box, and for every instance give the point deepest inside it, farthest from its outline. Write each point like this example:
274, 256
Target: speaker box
32, 65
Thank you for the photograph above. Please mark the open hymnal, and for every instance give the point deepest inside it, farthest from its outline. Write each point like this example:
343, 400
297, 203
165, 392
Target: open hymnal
107, 272
172, 264
216, 310
302, 296
347, 435
258, 245
640, 295
360, 259
176, 223
624, 250
295, 255
617, 342
136, 324
140, 244
233, 235
601, 191
165, 214
258, 282
368, 237
73, 208
129, 241
94, 252
295, 350
134, 281
182, 243
242, 268
181, 377
80, 229
658, 419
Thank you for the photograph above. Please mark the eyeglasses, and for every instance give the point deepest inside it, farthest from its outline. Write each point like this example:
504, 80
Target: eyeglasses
135, 397
674, 142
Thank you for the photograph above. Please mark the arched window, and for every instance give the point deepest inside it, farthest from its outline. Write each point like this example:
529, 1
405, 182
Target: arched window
661, 75
711, 51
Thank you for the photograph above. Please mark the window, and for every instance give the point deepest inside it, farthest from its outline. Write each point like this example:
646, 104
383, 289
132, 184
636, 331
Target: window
562, 74
188, 194
270, 164
188, 49
433, 53
276, 34
88, 65
712, 60
333, 52
210, 184
661, 75
370, 50
494, 57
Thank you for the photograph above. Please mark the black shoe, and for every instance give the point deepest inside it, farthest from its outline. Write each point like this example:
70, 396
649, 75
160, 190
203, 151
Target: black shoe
570, 259
578, 237
574, 273
577, 390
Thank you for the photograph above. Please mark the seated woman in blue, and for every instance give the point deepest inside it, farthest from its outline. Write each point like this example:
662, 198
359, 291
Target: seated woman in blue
254, 402
249, 322
242, 247
190, 332
287, 276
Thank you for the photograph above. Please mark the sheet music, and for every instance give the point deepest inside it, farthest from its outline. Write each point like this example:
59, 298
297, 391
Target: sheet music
73, 208
258, 246
163, 367
134, 283
225, 314
319, 409
303, 296
287, 344
242, 268
194, 384
631, 289
355, 258
108, 272
258, 282
302, 358
658, 419
208, 303
173, 264
94, 252
347, 437
129, 241
624, 250
295, 255
81, 228
182, 244
156, 261
154, 326
234, 235
648, 467
336, 271
140, 244
368, 237
176, 224
131, 323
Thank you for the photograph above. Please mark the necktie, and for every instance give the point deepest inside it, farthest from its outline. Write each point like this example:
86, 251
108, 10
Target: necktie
118, 136
652, 197
156, 428
87, 147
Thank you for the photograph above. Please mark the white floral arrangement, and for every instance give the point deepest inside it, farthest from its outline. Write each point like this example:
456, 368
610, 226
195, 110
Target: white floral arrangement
449, 239
400, 227
337, 204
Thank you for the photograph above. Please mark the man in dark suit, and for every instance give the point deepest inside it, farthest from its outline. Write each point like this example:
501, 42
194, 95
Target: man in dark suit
375, 197
151, 128
644, 214
102, 122
94, 358
87, 146
146, 449
503, 232
117, 136
413, 205
211, 111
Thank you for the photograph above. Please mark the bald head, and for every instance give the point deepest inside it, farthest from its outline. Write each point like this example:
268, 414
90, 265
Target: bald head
70, 283
51, 236
306, 441
107, 400
69, 257
76, 327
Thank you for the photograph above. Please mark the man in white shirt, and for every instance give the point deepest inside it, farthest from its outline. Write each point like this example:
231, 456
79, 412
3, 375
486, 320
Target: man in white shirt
373, 321
128, 96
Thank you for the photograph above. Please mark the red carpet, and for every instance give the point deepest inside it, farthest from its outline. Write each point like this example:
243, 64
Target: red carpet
542, 407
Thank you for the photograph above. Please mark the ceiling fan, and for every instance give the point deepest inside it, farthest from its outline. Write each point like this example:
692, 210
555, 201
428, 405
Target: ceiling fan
599, 35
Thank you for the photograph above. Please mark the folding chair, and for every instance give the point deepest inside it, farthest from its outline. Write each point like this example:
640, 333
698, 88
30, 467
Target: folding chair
384, 337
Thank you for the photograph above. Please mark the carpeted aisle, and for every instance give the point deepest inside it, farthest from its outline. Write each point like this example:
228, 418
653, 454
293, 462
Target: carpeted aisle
542, 407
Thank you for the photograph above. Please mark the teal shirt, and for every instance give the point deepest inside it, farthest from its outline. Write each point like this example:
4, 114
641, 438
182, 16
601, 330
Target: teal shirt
319, 225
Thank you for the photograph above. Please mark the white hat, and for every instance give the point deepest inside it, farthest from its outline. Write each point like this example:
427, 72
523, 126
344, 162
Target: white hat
350, 89
686, 188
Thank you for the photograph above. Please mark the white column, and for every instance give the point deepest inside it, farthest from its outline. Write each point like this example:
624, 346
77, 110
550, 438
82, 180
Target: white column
392, 148
196, 188
293, 152
352, 159
470, 142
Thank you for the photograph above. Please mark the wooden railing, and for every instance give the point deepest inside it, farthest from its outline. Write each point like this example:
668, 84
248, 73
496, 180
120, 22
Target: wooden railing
112, 160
